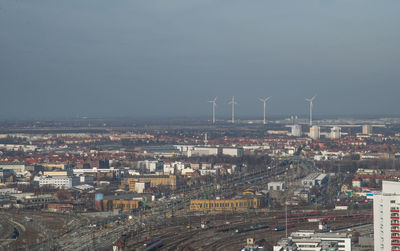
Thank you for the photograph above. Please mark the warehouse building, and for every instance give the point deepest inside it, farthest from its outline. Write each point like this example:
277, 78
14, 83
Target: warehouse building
229, 204
155, 180
123, 202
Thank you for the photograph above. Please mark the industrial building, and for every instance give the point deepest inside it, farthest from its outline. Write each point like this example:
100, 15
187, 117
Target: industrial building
276, 186
228, 204
233, 151
204, 151
123, 202
155, 180
312, 241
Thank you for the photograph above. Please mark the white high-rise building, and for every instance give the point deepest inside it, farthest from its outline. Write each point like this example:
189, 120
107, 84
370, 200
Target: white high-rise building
296, 130
314, 132
335, 132
387, 217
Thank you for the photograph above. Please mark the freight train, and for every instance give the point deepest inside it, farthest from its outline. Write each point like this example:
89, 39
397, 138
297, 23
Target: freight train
251, 228
282, 216
153, 244
281, 228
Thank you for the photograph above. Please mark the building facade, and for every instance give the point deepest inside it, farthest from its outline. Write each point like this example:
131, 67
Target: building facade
309, 240
123, 202
387, 217
367, 129
230, 204
296, 130
335, 132
155, 180
63, 182
315, 132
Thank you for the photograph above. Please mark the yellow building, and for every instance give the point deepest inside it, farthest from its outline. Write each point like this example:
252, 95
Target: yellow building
231, 204
155, 180
125, 205
123, 202
57, 173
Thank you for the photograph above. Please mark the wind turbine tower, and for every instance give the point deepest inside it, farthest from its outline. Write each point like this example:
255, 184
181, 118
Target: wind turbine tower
233, 103
310, 100
265, 100
214, 105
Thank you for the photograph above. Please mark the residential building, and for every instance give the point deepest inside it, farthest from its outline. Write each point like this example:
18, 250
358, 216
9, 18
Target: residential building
63, 182
315, 132
5, 175
387, 217
296, 130
335, 132
151, 165
367, 129
16, 167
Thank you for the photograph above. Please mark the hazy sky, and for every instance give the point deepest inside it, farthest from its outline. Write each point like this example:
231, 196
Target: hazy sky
169, 57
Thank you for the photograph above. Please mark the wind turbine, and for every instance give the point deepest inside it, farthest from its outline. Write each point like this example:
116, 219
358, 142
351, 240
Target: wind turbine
310, 100
214, 105
265, 100
233, 103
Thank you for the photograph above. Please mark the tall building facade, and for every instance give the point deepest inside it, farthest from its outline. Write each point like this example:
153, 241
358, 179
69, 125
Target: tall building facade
387, 217
296, 130
367, 129
315, 132
335, 132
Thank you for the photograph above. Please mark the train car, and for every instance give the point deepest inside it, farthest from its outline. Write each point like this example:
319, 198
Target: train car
120, 244
226, 229
251, 228
293, 215
295, 220
281, 228
153, 244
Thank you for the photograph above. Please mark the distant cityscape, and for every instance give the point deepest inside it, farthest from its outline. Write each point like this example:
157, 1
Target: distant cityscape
199, 125
288, 184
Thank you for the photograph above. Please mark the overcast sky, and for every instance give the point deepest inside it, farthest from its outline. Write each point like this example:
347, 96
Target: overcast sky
144, 58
